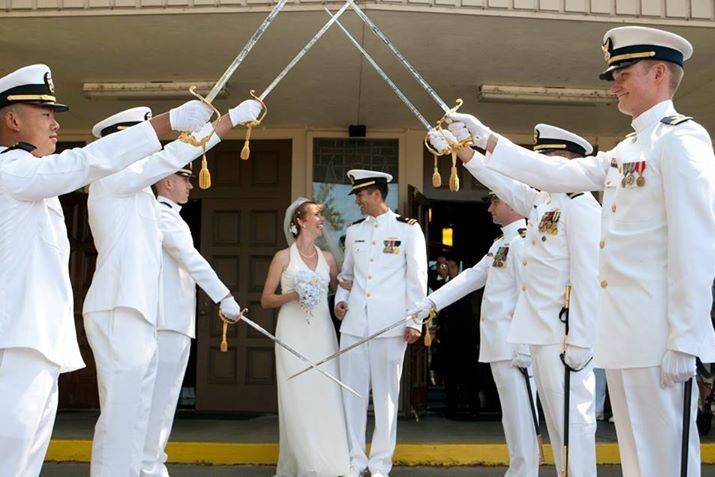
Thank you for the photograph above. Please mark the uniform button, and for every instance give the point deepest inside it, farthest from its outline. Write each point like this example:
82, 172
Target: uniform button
613, 208
372, 259
523, 262
533, 242
367, 295
601, 244
543, 238
373, 242
523, 288
604, 283
369, 277
375, 225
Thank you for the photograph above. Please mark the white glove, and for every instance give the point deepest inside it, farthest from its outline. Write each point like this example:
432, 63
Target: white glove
421, 311
441, 140
522, 358
190, 116
459, 130
230, 309
577, 357
677, 367
479, 132
249, 110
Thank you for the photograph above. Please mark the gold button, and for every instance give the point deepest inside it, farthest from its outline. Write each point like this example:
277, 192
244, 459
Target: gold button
523, 262
369, 277
373, 242
368, 295
533, 242
601, 244
375, 225
604, 283
613, 208
523, 288
372, 259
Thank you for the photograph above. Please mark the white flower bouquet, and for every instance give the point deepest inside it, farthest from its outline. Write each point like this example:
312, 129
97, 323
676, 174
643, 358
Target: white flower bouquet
311, 290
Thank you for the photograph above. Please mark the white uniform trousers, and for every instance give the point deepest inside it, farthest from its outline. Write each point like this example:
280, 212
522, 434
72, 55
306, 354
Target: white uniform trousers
125, 352
174, 351
28, 404
517, 419
378, 365
549, 375
649, 423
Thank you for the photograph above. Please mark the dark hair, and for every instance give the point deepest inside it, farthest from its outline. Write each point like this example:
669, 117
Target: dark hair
299, 213
381, 187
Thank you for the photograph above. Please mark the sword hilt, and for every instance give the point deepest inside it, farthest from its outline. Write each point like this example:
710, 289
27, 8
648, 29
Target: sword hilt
454, 147
204, 174
246, 151
225, 323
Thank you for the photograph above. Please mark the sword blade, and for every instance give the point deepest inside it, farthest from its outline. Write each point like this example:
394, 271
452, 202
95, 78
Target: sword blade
302, 52
687, 402
298, 355
433, 94
244, 52
534, 417
383, 75
356, 344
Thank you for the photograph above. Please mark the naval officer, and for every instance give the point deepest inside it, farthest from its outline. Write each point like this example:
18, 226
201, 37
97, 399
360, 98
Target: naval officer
657, 256
386, 258
37, 334
123, 305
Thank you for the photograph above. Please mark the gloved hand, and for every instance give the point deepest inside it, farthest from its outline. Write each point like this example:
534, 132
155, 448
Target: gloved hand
577, 357
522, 358
677, 367
479, 132
190, 116
441, 140
248, 110
421, 311
459, 130
230, 309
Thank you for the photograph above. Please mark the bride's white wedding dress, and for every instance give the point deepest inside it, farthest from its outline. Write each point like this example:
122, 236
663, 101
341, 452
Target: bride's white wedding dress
313, 440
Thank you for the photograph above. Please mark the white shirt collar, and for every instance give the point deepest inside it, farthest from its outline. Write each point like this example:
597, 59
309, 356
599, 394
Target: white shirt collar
512, 230
382, 217
651, 117
170, 202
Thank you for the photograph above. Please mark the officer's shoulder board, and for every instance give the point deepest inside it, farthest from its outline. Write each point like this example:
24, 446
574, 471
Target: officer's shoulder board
675, 119
573, 195
406, 220
359, 221
498, 238
522, 232
25, 146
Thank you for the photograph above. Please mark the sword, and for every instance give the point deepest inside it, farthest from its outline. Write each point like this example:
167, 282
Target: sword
436, 178
532, 406
687, 400
246, 151
204, 175
389, 327
564, 317
292, 351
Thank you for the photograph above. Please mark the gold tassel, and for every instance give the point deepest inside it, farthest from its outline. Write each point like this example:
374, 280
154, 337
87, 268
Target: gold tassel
428, 324
246, 151
453, 177
204, 174
436, 177
224, 341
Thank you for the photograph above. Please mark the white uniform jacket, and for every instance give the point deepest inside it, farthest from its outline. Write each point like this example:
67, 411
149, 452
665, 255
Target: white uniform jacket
386, 257
657, 258
183, 267
124, 218
561, 249
499, 272
36, 303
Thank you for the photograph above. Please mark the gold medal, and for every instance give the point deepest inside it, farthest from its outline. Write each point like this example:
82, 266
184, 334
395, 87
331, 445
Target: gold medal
629, 179
640, 182
623, 181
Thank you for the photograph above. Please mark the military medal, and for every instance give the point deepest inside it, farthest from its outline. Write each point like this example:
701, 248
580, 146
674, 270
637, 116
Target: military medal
500, 256
640, 169
549, 222
392, 246
629, 179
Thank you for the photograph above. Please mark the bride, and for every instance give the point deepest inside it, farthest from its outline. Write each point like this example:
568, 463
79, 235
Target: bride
313, 439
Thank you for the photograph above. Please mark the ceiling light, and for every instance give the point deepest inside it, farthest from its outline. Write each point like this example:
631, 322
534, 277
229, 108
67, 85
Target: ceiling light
148, 90
543, 94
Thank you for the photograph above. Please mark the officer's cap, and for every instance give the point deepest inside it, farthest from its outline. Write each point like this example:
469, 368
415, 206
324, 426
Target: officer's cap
187, 171
120, 121
361, 178
550, 138
624, 46
30, 85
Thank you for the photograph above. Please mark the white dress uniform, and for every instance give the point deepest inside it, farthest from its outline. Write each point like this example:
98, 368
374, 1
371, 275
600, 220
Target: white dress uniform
561, 249
37, 332
655, 278
183, 268
122, 307
499, 272
386, 258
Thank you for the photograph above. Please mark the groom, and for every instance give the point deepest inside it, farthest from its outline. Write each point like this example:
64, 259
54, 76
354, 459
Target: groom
386, 258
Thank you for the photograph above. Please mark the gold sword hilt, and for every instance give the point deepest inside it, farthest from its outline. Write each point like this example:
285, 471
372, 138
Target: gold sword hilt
454, 148
246, 151
225, 323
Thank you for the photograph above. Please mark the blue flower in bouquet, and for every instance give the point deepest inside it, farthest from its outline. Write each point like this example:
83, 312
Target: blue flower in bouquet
311, 289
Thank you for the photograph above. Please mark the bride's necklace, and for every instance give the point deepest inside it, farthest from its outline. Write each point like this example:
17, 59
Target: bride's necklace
315, 252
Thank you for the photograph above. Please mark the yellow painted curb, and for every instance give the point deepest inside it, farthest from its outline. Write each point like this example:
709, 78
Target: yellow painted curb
410, 454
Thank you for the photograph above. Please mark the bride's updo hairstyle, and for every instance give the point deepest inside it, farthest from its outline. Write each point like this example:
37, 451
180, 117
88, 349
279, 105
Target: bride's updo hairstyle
299, 214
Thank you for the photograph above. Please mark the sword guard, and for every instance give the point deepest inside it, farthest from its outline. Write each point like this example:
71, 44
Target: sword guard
246, 151
225, 323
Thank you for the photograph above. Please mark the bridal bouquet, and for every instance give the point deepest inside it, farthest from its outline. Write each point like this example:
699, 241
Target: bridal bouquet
310, 289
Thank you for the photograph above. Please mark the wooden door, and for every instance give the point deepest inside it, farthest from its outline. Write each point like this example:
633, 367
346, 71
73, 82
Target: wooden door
241, 229
415, 373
